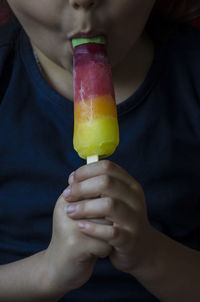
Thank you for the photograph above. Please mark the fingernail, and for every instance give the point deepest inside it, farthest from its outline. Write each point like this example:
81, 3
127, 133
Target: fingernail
82, 225
70, 209
71, 178
67, 192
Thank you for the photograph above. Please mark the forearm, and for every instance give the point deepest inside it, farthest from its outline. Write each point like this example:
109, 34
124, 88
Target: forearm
26, 280
172, 271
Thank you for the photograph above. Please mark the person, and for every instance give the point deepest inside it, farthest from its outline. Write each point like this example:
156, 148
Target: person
148, 189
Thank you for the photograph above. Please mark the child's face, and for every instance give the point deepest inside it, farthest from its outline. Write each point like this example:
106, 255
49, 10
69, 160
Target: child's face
51, 24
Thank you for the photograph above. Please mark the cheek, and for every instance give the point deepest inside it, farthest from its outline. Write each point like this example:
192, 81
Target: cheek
126, 26
38, 14
131, 16
44, 25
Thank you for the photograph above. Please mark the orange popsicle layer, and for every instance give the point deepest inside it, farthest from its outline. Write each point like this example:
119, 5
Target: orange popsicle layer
95, 107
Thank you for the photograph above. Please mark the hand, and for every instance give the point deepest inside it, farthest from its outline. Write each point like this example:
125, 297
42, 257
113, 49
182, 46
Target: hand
71, 255
105, 190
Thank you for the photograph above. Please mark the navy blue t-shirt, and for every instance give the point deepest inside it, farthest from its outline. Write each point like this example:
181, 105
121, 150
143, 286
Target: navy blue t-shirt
159, 146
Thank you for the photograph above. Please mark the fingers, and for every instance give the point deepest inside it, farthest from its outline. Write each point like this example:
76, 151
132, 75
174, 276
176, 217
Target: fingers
104, 190
103, 167
89, 188
103, 179
116, 234
106, 207
69, 233
102, 185
113, 235
88, 210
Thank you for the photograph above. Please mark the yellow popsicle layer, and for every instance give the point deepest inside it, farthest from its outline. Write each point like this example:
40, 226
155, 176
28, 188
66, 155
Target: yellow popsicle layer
99, 136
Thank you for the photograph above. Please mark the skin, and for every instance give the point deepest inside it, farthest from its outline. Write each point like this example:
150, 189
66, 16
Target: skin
123, 204
51, 24
99, 190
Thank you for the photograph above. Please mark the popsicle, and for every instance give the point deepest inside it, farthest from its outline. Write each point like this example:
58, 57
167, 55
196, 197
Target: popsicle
96, 131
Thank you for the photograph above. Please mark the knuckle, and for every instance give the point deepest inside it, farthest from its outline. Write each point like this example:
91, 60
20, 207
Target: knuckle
104, 250
106, 165
109, 204
114, 233
106, 182
134, 232
138, 187
77, 174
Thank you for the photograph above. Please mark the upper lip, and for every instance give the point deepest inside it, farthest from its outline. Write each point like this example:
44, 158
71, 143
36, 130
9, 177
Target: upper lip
88, 34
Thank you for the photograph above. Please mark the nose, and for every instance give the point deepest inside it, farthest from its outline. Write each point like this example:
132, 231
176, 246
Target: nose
86, 4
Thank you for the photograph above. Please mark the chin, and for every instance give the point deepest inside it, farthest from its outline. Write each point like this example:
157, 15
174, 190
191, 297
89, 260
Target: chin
67, 63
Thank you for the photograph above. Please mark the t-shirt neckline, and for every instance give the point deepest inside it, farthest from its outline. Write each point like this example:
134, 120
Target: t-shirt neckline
52, 95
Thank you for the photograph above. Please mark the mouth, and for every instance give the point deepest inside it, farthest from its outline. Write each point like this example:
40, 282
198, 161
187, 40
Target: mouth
88, 34
83, 34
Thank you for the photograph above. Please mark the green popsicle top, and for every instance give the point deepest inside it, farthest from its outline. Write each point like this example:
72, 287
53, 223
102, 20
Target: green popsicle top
80, 41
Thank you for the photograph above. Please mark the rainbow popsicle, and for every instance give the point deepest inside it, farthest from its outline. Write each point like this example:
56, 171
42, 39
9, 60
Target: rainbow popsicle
96, 131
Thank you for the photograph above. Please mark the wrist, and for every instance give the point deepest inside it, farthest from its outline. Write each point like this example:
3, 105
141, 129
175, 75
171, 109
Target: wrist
47, 280
170, 270
150, 256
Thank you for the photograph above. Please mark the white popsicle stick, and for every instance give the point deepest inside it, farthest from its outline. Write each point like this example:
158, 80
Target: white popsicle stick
92, 159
